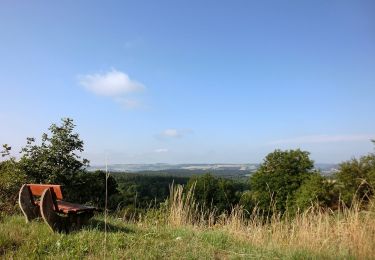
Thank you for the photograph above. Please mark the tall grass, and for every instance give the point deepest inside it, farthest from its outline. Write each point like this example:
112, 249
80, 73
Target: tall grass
183, 210
345, 232
181, 225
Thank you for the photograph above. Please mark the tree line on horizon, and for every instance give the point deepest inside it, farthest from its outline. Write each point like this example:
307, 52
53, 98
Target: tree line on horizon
285, 182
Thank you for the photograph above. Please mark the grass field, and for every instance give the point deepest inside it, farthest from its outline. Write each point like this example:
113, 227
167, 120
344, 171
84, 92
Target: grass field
183, 230
19, 240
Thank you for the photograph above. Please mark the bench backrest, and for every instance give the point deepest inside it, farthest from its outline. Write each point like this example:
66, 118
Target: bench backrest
37, 189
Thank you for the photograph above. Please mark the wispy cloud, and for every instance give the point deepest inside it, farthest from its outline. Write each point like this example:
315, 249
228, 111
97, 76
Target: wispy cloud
324, 139
173, 133
161, 150
114, 84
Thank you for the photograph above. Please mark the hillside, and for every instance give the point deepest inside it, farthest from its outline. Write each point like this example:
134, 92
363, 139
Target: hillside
225, 170
19, 240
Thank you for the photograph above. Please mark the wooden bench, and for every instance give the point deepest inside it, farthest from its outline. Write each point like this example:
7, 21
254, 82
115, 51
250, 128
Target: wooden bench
45, 200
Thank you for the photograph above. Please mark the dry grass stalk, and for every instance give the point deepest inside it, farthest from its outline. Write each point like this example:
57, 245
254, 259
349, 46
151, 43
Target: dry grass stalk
345, 231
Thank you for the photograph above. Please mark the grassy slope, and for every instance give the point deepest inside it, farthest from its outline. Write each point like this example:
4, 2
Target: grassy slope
129, 241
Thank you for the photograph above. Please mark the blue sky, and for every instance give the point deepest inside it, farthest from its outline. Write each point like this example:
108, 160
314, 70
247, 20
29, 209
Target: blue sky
191, 81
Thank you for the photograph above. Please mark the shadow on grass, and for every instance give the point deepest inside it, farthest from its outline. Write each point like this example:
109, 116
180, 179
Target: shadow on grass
100, 225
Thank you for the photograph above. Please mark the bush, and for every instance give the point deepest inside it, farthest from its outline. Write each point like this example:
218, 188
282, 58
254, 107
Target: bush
316, 190
356, 179
11, 180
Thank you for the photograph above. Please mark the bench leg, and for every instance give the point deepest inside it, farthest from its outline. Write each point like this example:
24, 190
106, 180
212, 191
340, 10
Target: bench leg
28, 208
83, 218
78, 220
53, 220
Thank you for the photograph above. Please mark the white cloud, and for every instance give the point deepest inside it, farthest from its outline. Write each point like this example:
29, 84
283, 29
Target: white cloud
161, 150
324, 139
173, 133
113, 83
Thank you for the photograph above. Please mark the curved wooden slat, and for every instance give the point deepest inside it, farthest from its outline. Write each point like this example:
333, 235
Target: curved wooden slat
29, 209
54, 221
37, 189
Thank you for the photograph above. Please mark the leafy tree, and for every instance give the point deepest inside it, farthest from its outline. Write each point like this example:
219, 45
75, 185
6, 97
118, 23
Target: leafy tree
281, 174
205, 189
247, 202
56, 159
356, 178
212, 192
316, 190
142, 190
91, 188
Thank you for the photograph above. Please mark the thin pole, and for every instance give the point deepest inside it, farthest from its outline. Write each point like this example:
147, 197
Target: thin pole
105, 206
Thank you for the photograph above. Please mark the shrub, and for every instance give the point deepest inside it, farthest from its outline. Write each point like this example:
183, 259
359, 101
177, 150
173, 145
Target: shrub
356, 178
314, 191
11, 179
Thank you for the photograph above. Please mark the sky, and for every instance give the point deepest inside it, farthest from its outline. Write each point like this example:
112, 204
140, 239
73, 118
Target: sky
191, 81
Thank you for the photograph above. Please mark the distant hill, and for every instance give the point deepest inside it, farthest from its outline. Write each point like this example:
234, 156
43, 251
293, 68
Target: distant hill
220, 168
164, 166
327, 169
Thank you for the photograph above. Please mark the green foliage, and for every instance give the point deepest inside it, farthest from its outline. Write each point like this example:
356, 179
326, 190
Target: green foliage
356, 178
91, 187
144, 190
278, 178
206, 189
247, 202
57, 160
316, 190
11, 179
213, 192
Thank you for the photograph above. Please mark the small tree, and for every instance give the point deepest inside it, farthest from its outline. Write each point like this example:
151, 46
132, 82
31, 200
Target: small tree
56, 159
91, 188
356, 178
212, 192
278, 178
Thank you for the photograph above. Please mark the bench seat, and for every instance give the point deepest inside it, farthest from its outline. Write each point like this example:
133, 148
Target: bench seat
68, 207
